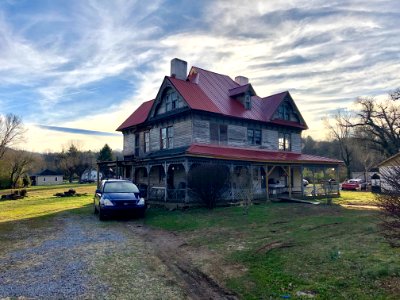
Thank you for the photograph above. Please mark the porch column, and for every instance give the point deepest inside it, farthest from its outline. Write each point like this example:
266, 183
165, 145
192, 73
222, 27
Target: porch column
301, 181
290, 181
148, 180
313, 175
267, 173
231, 180
186, 167
165, 180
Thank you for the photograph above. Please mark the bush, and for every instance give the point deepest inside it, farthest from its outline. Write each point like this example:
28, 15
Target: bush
208, 181
23, 193
389, 202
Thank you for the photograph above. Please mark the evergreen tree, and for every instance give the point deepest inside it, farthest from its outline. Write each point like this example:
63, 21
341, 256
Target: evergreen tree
105, 154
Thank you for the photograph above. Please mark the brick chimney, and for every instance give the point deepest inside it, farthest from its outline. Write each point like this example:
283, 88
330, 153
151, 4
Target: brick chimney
241, 80
179, 68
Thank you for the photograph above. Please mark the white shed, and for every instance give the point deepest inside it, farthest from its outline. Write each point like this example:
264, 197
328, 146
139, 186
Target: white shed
48, 177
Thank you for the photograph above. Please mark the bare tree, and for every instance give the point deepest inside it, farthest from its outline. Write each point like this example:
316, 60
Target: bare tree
342, 134
20, 162
11, 132
244, 187
74, 161
380, 122
389, 202
208, 182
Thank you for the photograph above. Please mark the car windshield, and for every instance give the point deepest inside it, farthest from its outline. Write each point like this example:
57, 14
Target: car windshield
120, 187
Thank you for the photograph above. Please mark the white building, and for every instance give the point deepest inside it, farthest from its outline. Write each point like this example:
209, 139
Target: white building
48, 177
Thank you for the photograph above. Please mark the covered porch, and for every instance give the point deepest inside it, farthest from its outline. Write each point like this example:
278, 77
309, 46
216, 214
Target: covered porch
165, 180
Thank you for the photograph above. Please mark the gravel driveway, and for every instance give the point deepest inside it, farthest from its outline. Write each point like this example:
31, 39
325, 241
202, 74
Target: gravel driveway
77, 257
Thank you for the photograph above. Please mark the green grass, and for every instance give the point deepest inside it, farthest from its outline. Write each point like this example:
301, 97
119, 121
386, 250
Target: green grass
42, 202
356, 198
334, 252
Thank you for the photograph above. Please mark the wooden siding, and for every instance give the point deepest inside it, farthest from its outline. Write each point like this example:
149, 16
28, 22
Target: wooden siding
129, 143
296, 142
154, 139
269, 139
201, 131
183, 133
237, 135
196, 129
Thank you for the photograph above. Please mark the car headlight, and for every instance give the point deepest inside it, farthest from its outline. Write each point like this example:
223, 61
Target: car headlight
106, 202
141, 201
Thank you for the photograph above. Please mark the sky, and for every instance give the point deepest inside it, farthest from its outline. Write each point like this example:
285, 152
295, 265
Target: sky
75, 70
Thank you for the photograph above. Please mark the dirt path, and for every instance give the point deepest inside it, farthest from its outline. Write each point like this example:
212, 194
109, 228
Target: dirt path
178, 257
80, 258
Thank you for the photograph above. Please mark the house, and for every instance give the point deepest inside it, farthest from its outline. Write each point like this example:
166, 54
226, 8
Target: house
47, 177
204, 117
90, 175
389, 169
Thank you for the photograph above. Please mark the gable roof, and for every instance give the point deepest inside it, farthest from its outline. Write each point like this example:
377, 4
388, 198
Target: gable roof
241, 90
260, 155
48, 172
138, 116
394, 160
212, 92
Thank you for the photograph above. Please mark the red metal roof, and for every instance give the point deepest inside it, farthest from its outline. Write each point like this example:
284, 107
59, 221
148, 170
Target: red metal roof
209, 91
138, 116
239, 90
259, 155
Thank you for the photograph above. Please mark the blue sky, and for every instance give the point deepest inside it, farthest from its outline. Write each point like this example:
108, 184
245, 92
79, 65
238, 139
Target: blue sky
84, 66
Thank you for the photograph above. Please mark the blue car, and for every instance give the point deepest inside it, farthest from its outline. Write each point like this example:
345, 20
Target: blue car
118, 196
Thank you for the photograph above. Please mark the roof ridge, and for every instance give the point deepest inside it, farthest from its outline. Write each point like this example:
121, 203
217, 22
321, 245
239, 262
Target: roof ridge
275, 94
215, 73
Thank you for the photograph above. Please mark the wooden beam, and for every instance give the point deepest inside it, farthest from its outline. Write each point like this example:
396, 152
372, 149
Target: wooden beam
290, 181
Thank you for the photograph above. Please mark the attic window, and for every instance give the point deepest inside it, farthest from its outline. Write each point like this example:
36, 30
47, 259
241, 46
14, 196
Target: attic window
247, 102
285, 111
172, 100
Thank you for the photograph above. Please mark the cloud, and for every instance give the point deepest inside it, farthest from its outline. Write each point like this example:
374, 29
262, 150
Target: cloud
77, 131
90, 64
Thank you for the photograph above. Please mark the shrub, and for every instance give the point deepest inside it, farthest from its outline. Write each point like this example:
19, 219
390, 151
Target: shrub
208, 181
23, 192
389, 202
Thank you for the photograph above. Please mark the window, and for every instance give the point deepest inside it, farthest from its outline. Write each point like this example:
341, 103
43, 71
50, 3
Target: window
147, 141
167, 137
284, 141
254, 136
172, 100
56, 179
218, 133
137, 144
247, 102
285, 111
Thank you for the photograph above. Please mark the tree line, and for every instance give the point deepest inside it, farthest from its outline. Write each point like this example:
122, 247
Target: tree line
16, 165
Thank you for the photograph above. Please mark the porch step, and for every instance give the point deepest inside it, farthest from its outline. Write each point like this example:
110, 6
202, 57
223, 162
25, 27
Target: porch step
287, 199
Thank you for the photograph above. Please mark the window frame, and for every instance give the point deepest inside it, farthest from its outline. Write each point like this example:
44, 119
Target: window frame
167, 137
253, 138
146, 145
218, 133
284, 141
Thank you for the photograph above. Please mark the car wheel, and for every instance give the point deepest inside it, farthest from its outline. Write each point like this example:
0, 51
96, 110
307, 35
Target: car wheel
95, 211
102, 216
141, 213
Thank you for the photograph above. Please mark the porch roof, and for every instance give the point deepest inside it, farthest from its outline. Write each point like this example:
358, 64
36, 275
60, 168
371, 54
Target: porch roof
258, 155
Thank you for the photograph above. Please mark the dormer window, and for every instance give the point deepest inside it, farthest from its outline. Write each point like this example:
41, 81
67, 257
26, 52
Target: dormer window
247, 102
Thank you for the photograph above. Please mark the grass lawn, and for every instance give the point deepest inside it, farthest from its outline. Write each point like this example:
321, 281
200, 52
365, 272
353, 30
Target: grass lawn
283, 249
42, 202
288, 249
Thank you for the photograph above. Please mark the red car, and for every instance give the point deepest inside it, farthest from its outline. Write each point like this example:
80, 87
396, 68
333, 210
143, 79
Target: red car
354, 184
